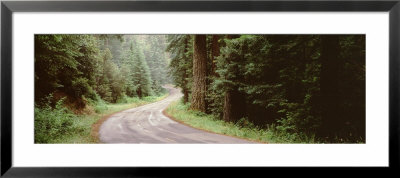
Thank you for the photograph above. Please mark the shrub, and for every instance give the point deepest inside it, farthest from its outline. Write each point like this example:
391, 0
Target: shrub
53, 123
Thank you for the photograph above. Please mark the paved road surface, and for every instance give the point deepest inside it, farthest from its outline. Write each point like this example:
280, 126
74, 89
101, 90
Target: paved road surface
147, 124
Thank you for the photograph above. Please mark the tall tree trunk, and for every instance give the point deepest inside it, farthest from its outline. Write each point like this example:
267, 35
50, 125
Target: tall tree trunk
234, 101
234, 105
185, 87
199, 73
330, 66
185, 95
215, 53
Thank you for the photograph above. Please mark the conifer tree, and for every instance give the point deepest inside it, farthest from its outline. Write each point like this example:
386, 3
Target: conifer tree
181, 65
140, 71
199, 89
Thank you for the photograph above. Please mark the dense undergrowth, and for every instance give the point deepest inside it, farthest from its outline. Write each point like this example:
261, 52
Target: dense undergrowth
243, 128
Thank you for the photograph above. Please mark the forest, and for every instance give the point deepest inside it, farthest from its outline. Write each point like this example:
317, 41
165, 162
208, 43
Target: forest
306, 85
302, 86
107, 67
80, 74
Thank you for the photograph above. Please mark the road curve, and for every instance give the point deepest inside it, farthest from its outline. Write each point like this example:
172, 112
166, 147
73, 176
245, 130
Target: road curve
147, 124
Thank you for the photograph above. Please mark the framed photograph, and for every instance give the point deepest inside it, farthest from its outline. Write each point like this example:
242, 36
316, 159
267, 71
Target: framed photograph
113, 88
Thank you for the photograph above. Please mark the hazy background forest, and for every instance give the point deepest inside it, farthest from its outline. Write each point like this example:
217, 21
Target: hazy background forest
299, 88
78, 75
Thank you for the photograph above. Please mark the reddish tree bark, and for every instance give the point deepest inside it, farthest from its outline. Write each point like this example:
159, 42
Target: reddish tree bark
185, 75
199, 73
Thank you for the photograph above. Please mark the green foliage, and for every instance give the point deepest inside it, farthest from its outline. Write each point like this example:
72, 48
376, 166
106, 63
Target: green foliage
181, 65
54, 61
280, 78
284, 82
99, 105
156, 57
215, 98
53, 123
243, 128
280, 75
92, 71
109, 66
59, 125
141, 73
126, 99
82, 87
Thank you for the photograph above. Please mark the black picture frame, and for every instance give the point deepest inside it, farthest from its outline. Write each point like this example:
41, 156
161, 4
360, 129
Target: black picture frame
8, 7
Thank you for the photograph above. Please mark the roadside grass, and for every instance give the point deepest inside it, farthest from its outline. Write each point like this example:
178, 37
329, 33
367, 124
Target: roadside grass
242, 129
60, 125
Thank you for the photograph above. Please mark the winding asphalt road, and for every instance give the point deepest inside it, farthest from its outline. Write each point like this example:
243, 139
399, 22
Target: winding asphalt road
147, 124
